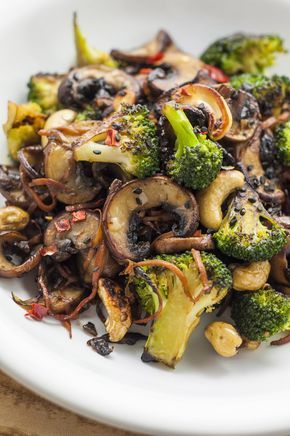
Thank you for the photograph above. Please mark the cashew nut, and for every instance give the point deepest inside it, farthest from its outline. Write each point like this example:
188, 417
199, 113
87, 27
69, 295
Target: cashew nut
13, 218
210, 199
251, 276
61, 118
224, 338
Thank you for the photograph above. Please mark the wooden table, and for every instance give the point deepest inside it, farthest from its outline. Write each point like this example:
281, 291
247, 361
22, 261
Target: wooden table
23, 413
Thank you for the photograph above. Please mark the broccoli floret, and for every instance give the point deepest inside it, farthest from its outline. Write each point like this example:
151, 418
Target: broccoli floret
261, 314
179, 315
134, 145
197, 159
247, 231
87, 55
270, 92
282, 137
43, 90
242, 53
22, 126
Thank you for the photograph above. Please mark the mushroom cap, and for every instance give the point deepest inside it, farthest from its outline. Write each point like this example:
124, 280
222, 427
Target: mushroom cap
123, 204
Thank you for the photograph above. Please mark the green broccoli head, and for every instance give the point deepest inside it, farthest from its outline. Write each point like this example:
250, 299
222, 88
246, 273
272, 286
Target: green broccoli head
197, 159
179, 315
270, 92
242, 53
43, 90
248, 232
131, 141
282, 137
261, 314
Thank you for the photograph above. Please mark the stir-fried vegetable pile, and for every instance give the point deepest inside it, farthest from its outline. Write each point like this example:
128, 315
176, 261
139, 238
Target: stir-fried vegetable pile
154, 186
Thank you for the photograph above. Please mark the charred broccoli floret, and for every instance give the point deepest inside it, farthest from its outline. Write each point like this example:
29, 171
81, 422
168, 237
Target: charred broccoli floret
248, 232
43, 90
179, 315
22, 126
131, 141
261, 314
282, 137
242, 53
270, 92
86, 55
197, 159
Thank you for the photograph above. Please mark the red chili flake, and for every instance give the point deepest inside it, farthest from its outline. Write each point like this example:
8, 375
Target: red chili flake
197, 233
145, 70
48, 251
36, 312
184, 91
62, 225
155, 58
112, 138
79, 215
216, 74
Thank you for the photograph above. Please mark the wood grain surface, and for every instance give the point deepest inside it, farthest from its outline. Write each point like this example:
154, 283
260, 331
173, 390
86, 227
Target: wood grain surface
22, 413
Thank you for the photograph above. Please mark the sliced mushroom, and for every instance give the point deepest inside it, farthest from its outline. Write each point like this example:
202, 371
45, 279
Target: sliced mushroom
101, 86
118, 308
121, 219
8, 254
245, 113
61, 118
280, 266
168, 244
60, 166
68, 236
11, 187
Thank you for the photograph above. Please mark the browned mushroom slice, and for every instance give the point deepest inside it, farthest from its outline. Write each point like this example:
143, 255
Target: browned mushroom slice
195, 95
11, 187
280, 266
168, 244
12, 265
62, 301
67, 234
104, 87
61, 167
118, 309
245, 113
147, 52
121, 216
249, 155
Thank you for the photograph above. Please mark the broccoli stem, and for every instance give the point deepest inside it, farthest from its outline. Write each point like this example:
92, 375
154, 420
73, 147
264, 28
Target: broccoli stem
94, 152
182, 129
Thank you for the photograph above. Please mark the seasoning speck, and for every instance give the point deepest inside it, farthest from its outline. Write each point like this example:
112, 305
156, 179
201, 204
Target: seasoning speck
97, 152
137, 191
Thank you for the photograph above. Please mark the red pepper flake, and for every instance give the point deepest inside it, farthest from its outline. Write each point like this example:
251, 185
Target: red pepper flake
184, 91
48, 251
216, 73
197, 233
79, 215
62, 225
36, 312
112, 138
145, 70
155, 58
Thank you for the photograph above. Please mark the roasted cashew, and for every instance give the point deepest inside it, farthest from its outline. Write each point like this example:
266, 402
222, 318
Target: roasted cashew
224, 338
210, 199
13, 218
60, 118
251, 276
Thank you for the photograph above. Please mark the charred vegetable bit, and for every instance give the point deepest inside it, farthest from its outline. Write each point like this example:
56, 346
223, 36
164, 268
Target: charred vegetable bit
261, 314
197, 159
133, 144
242, 53
248, 232
271, 92
282, 136
179, 317
101, 346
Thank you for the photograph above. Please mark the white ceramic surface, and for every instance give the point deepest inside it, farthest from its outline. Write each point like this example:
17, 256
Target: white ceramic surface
205, 395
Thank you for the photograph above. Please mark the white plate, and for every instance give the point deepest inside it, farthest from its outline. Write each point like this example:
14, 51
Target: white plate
205, 395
